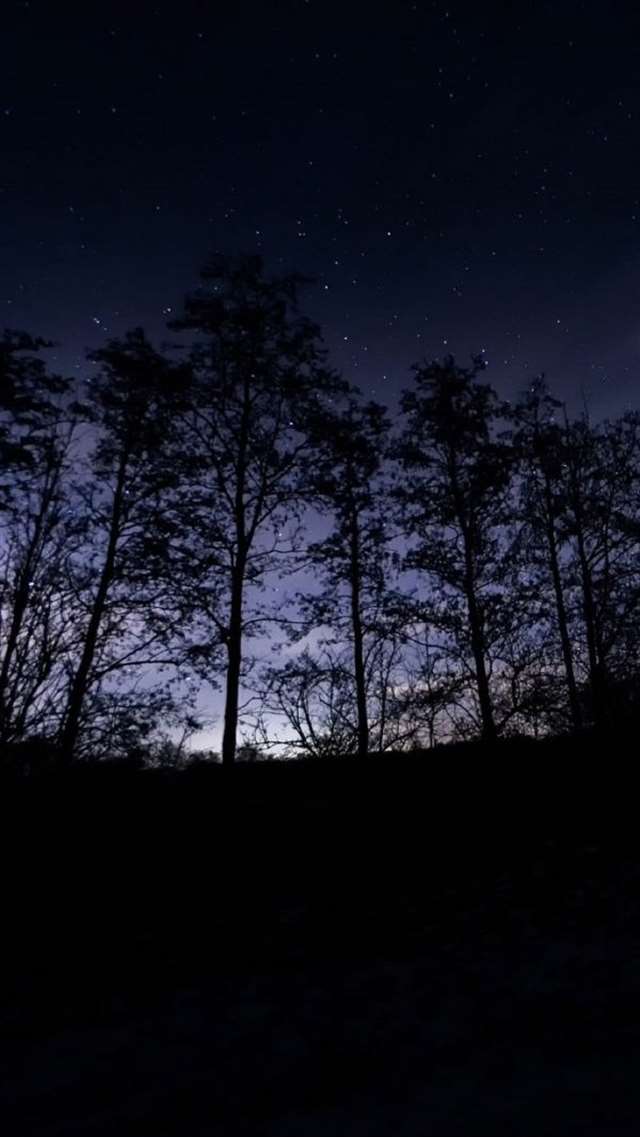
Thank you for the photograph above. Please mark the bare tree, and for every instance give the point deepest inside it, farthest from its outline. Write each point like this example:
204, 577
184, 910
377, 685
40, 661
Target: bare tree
258, 373
39, 534
121, 594
353, 563
453, 498
538, 442
312, 698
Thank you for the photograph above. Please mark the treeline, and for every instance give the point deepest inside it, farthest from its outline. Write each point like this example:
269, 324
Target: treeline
478, 573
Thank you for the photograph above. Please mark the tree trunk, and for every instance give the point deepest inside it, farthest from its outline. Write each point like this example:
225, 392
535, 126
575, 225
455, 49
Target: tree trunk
21, 600
596, 661
77, 694
358, 639
234, 662
489, 732
588, 607
238, 570
565, 640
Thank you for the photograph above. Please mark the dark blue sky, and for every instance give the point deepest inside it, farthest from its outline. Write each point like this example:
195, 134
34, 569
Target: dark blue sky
457, 176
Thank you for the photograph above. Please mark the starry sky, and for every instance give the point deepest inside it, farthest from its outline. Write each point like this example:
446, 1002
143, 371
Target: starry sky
457, 177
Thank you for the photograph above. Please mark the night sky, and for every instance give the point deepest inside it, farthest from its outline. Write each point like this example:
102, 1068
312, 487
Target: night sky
456, 177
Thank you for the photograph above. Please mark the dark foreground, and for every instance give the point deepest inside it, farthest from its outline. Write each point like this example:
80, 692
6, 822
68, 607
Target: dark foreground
440, 946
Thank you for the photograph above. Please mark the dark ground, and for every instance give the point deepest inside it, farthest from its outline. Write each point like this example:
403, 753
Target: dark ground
445, 945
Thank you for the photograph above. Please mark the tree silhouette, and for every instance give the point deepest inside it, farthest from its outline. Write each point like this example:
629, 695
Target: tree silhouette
579, 456
28, 403
40, 534
602, 471
314, 696
259, 372
132, 404
352, 563
36, 425
146, 528
539, 444
453, 500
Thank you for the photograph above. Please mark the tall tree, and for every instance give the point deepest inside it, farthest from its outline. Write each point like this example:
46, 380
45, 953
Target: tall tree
539, 446
259, 372
452, 499
602, 472
132, 401
36, 424
352, 563
39, 535
579, 458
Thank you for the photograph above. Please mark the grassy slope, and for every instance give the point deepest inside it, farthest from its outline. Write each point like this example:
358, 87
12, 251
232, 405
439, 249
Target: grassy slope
445, 944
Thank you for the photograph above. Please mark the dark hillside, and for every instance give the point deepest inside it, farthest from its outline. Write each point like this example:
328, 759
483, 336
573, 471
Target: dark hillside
439, 943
